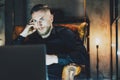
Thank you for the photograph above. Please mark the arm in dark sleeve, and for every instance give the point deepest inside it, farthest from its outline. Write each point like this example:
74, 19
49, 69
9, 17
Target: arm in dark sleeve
18, 40
76, 50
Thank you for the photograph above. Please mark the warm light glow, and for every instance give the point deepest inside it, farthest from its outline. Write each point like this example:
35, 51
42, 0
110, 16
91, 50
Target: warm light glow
97, 41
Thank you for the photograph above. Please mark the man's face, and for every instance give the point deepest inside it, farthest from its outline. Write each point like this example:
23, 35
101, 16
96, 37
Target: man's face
42, 21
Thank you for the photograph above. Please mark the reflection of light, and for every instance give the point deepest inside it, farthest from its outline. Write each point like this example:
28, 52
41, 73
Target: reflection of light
113, 45
97, 41
1, 42
118, 52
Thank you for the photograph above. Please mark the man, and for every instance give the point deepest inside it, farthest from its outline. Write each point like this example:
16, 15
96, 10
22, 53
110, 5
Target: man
63, 47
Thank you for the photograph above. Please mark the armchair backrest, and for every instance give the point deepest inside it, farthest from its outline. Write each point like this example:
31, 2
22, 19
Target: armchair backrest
81, 28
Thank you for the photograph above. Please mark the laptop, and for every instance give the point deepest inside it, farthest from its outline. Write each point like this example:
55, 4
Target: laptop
23, 62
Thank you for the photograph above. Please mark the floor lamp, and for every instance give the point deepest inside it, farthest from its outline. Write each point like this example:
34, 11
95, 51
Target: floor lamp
97, 57
97, 66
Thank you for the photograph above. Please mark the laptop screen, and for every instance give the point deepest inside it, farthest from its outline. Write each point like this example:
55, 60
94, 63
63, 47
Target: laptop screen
23, 62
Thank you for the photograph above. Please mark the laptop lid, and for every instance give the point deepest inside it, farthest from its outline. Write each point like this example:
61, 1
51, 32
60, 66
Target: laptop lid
23, 62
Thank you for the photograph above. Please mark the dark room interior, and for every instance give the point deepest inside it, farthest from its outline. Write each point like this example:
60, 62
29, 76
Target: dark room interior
101, 37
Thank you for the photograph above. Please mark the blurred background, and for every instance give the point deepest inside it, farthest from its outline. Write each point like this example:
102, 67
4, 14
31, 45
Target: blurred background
104, 28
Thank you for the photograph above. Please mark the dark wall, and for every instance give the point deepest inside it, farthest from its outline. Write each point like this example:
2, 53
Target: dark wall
70, 8
15, 14
20, 12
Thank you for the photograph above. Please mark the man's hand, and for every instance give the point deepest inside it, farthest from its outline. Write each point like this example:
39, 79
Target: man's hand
29, 29
51, 59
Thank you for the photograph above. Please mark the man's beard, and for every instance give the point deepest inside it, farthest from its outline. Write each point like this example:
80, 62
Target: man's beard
46, 32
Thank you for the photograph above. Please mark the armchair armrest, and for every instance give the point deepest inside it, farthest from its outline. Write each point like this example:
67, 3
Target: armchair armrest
70, 71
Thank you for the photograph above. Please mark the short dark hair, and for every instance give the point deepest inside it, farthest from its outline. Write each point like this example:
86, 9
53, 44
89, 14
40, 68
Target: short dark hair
39, 7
